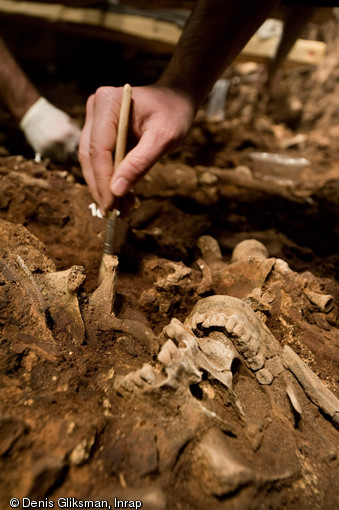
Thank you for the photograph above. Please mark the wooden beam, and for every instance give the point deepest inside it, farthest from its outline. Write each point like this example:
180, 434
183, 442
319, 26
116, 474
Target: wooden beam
152, 32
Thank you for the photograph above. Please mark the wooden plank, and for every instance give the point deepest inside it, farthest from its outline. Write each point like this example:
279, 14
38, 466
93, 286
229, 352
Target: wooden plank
303, 52
153, 31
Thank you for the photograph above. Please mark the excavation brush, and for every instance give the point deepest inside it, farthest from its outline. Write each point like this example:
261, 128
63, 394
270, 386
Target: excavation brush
112, 217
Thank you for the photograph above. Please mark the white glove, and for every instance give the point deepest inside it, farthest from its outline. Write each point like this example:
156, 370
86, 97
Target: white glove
51, 132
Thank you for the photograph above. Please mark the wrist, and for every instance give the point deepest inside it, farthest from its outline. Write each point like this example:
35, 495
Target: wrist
36, 109
178, 97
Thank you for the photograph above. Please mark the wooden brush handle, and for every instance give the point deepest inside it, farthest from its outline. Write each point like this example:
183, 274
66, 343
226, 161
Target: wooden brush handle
120, 147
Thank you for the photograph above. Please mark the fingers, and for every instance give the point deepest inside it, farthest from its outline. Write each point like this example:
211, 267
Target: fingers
84, 153
160, 119
97, 143
103, 138
138, 161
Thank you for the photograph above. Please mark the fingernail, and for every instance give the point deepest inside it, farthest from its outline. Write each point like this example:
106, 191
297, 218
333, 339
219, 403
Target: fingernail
120, 187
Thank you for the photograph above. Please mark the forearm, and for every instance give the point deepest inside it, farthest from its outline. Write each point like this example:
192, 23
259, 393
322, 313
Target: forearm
16, 91
215, 33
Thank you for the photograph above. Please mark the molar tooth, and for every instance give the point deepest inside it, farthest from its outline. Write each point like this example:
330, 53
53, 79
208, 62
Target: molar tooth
169, 331
198, 318
214, 320
251, 348
147, 373
219, 320
238, 330
175, 330
208, 322
167, 352
127, 384
243, 340
257, 362
135, 378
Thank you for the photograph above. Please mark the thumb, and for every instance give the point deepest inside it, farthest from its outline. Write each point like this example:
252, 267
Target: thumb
137, 162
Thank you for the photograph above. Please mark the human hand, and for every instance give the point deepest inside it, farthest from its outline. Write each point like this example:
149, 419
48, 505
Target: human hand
51, 132
160, 119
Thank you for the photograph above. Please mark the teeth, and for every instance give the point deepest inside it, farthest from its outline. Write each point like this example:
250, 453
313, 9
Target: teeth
252, 347
221, 320
244, 339
127, 384
199, 318
176, 331
230, 324
256, 362
248, 345
171, 347
165, 358
208, 323
169, 331
237, 330
167, 352
136, 379
147, 373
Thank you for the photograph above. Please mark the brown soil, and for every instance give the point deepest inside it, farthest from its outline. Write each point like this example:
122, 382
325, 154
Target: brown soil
57, 388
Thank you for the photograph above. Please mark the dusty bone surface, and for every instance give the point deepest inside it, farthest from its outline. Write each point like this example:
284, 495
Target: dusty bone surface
294, 305
242, 336
44, 296
221, 339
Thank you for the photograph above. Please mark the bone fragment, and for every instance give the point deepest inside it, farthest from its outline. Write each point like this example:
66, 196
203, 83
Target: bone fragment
102, 298
141, 332
293, 399
180, 272
206, 284
264, 376
82, 451
60, 292
282, 267
29, 278
209, 248
249, 249
324, 302
320, 395
27, 180
256, 343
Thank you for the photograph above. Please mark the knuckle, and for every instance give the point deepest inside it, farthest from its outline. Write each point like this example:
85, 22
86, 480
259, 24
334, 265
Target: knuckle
138, 164
102, 92
93, 150
82, 155
107, 95
166, 138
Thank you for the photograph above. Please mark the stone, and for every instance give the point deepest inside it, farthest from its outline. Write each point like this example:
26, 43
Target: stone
81, 453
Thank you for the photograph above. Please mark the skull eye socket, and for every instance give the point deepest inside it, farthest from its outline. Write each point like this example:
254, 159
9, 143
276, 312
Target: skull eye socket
235, 367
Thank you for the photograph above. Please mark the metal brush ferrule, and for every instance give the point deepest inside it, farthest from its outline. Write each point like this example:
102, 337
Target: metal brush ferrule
111, 221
